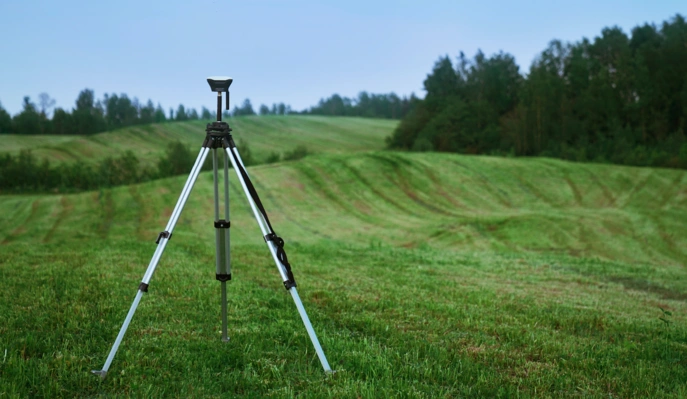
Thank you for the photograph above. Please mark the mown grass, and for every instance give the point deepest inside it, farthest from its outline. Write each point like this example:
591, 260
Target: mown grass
425, 275
264, 135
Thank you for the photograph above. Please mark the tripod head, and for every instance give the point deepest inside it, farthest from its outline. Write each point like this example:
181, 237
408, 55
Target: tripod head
220, 84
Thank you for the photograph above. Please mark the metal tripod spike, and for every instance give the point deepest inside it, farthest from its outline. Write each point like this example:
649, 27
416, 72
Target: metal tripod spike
218, 135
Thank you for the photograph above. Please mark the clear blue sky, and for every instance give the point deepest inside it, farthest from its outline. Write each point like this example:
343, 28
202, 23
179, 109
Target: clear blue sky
292, 51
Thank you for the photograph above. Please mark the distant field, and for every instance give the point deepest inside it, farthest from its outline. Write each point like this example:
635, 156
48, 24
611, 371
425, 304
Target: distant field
426, 275
13, 143
264, 134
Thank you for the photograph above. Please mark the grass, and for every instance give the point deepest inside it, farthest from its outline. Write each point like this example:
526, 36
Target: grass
425, 275
264, 135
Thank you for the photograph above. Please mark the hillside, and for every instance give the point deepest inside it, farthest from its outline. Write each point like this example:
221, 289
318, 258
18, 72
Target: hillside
263, 134
402, 199
426, 274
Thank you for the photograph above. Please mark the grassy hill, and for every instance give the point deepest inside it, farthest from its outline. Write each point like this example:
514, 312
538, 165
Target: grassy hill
425, 275
264, 134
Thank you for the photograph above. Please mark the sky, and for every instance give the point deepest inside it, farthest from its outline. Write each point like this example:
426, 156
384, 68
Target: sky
295, 52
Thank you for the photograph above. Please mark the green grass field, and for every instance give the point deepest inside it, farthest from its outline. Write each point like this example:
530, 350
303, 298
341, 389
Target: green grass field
264, 135
424, 274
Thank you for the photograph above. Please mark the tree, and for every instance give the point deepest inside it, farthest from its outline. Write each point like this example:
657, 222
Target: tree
193, 114
62, 122
245, 109
147, 113
28, 121
181, 113
159, 115
264, 109
5, 121
88, 116
46, 103
120, 111
443, 81
205, 114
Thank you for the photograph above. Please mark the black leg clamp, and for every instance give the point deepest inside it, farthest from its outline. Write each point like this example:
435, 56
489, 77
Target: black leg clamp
163, 234
223, 277
281, 255
143, 287
222, 224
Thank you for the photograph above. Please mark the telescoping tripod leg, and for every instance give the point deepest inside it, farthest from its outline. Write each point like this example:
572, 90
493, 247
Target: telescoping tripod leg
287, 277
223, 270
161, 242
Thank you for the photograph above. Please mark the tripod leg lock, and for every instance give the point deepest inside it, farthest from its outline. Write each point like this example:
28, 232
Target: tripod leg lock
222, 224
223, 277
163, 234
143, 287
281, 255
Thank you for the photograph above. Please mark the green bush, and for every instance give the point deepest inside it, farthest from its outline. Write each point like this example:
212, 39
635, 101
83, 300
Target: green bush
297, 153
274, 157
177, 160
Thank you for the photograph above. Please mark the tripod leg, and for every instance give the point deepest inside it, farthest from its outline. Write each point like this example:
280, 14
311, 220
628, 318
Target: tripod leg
223, 272
227, 256
235, 158
162, 240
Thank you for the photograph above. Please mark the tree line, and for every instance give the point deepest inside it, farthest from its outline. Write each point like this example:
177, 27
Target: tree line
389, 106
91, 115
618, 98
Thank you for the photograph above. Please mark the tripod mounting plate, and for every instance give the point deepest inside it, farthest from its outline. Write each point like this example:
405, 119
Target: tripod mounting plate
219, 83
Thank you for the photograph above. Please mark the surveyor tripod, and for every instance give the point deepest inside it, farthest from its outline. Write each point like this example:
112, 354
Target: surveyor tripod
218, 136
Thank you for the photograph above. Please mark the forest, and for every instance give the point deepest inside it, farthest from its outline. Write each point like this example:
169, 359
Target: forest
617, 98
389, 106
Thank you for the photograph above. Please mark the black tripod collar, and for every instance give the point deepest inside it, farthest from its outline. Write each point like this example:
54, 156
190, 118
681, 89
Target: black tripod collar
218, 135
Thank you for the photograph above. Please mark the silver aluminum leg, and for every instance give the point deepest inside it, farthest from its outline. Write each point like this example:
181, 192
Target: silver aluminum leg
222, 240
263, 227
162, 243
226, 252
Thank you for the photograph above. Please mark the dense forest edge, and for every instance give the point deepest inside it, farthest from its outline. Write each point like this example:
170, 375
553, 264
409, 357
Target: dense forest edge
618, 98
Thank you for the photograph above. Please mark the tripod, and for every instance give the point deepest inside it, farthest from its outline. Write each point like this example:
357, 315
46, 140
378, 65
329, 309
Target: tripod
218, 135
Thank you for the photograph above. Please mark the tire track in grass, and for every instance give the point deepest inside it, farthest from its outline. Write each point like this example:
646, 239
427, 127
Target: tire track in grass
317, 178
66, 208
670, 192
573, 187
372, 188
500, 195
672, 250
636, 189
143, 216
22, 227
565, 169
528, 187
404, 182
265, 193
107, 210
62, 153
608, 195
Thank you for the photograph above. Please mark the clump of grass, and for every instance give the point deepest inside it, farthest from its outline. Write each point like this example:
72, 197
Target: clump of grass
297, 153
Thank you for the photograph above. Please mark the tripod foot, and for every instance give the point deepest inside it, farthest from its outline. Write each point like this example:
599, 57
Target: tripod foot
225, 339
101, 373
